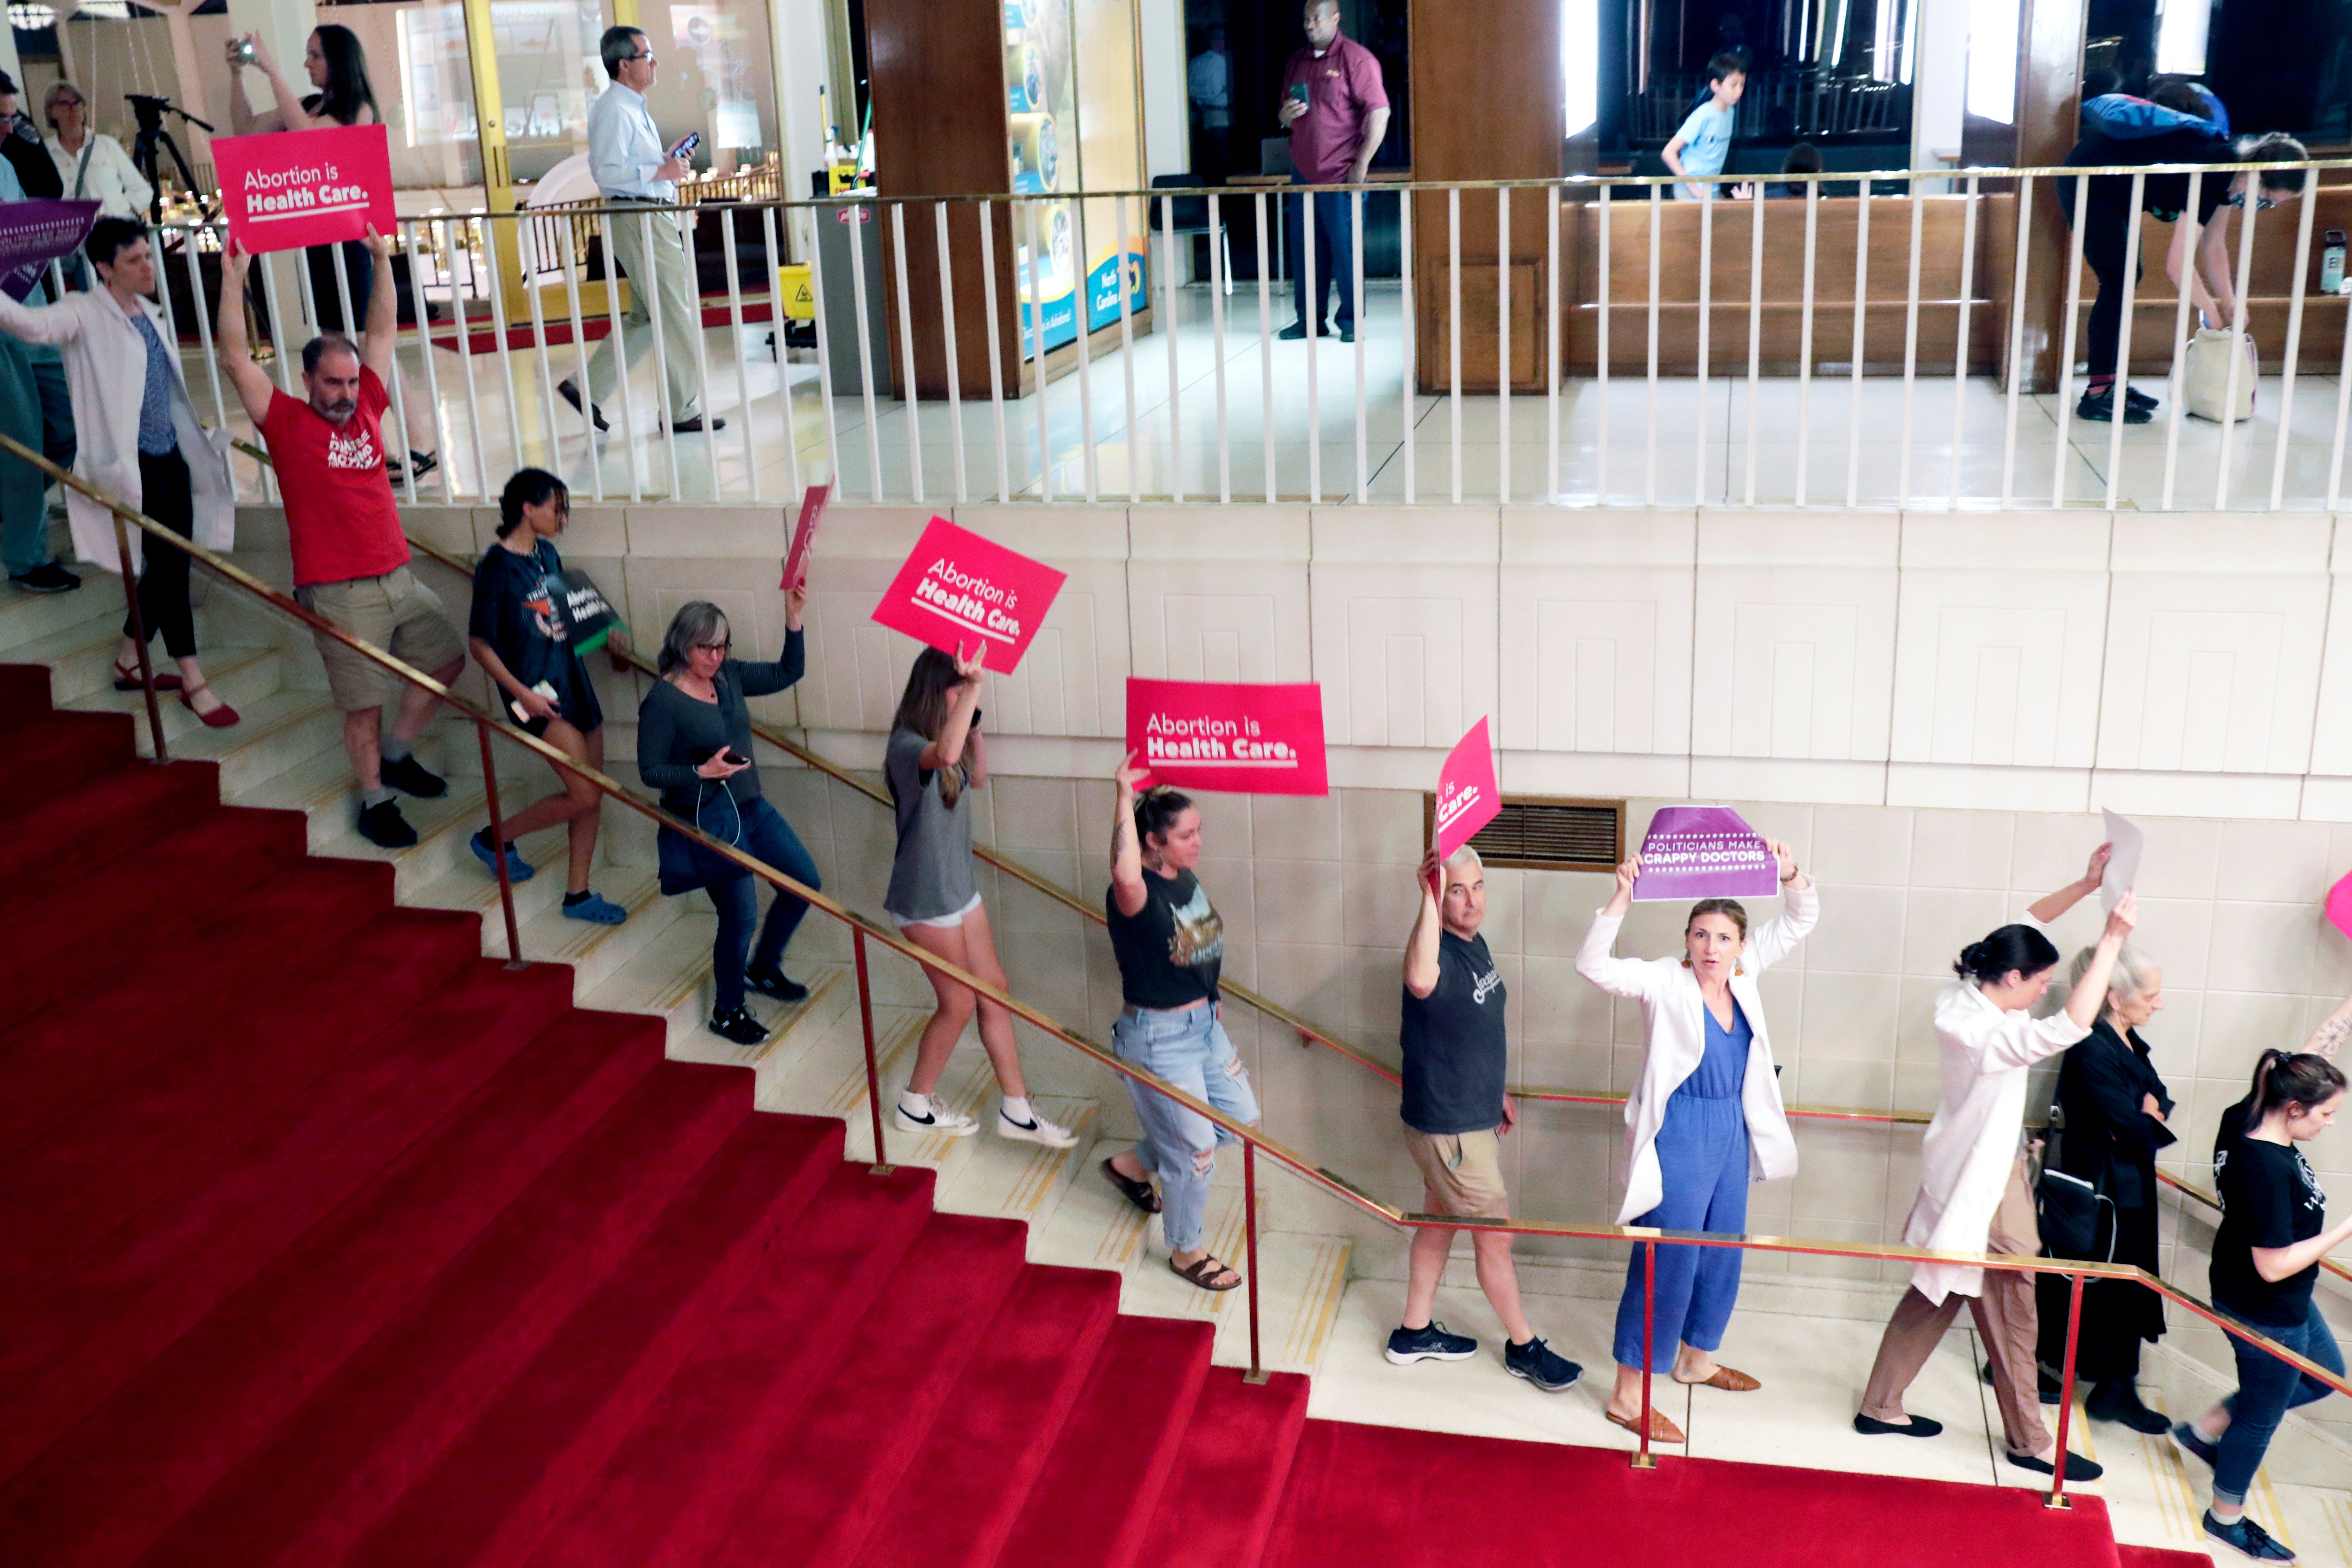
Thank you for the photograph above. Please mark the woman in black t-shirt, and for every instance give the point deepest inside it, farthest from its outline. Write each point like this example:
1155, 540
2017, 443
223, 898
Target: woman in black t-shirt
2266, 1256
1171, 944
516, 639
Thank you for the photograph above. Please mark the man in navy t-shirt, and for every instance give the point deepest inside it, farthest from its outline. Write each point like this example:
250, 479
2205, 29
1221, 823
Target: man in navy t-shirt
1456, 1110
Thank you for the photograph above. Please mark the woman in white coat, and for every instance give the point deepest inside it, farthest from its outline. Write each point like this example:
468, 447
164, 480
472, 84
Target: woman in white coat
138, 439
1703, 1119
1973, 1192
91, 165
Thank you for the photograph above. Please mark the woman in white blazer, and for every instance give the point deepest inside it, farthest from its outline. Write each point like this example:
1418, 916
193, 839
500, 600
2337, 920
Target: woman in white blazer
1703, 1119
92, 166
138, 439
1974, 1196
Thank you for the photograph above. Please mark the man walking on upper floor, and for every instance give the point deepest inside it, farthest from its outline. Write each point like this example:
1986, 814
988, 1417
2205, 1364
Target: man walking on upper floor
1337, 110
633, 166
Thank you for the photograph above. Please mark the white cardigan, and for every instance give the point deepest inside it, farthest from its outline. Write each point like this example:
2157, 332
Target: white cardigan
105, 375
1676, 1018
111, 179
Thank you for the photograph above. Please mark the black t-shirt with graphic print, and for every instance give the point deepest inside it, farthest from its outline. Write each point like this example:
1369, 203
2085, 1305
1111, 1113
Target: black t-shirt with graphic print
2269, 1199
1171, 950
511, 613
1456, 1053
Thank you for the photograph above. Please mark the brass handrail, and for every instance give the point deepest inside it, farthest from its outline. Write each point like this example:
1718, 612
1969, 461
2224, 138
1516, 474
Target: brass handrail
1252, 1139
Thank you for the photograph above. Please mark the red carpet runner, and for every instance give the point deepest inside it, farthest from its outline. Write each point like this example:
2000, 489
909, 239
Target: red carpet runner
324, 1240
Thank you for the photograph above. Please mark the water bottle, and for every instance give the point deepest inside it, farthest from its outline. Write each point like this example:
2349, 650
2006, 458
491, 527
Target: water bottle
2331, 263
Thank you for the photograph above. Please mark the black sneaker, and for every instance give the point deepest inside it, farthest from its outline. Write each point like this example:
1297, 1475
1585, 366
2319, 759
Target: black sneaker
2203, 1448
772, 983
2118, 1401
1347, 334
570, 391
2247, 1537
382, 825
2099, 407
1298, 331
410, 776
48, 577
2078, 1469
1429, 1343
739, 1025
2135, 398
1539, 1364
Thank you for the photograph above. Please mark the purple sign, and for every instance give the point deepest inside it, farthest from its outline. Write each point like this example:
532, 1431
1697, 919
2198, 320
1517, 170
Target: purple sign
1705, 852
34, 232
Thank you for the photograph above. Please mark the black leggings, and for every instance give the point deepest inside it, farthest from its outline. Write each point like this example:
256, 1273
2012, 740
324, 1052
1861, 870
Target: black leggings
163, 495
2103, 252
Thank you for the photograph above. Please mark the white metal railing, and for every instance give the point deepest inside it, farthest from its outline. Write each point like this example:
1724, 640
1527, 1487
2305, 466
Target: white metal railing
1870, 349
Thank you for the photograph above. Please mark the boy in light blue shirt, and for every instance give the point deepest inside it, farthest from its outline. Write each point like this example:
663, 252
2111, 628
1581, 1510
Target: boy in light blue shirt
1704, 138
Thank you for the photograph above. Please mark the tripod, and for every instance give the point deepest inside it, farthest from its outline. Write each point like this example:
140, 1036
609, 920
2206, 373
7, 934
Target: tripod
151, 138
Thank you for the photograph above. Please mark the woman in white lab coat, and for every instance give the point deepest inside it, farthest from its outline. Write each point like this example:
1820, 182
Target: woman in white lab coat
1973, 1193
1704, 1118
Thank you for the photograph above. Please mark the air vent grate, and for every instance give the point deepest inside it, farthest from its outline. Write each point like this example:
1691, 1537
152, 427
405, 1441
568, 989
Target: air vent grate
1547, 834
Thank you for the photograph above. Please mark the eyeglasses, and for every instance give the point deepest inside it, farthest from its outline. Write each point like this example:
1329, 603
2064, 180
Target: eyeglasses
648, 58
2261, 204
715, 646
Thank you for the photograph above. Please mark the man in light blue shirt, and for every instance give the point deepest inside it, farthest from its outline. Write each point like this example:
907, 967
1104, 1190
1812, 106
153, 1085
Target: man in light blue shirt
634, 166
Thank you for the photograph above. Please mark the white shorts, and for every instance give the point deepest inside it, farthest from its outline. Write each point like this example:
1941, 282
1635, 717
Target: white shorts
945, 922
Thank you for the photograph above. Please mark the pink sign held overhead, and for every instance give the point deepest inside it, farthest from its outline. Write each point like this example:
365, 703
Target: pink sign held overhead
2339, 905
959, 589
1467, 796
1218, 735
796, 560
1705, 852
284, 190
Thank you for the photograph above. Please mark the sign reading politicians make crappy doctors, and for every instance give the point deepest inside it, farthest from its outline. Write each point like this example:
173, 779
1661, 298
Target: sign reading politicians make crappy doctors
34, 232
293, 188
1705, 852
959, 589
1218, 735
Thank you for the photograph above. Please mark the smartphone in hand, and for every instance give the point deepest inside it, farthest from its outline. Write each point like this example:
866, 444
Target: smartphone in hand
685, 149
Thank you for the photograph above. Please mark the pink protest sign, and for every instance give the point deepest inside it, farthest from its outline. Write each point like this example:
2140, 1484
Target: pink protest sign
796, 560
1705, 852
287, 189
1467, 796
2339, 905
959, 589
1217, 735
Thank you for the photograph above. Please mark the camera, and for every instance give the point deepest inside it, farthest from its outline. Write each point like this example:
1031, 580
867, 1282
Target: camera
242, 52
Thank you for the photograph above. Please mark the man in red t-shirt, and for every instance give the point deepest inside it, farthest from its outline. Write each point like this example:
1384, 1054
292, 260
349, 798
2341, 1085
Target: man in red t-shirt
1336, 111
351, 557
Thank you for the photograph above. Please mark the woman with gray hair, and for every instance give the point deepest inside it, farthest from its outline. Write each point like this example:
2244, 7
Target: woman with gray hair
694, 744
2113, 1107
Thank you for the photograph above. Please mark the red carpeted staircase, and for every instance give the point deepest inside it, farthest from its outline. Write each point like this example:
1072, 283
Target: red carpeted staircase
325, 1240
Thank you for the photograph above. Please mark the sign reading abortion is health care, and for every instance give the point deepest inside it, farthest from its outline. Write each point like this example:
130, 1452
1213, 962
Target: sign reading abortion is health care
291, 189
1705, 852
959, 589
1467, 796
1217, 735
34, 234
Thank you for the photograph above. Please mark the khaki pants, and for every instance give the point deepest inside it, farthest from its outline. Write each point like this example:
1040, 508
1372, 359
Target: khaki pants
2005, 1321
651, 249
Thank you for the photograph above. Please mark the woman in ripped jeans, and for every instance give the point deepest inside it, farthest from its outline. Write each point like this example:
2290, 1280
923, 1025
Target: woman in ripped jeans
1171, 944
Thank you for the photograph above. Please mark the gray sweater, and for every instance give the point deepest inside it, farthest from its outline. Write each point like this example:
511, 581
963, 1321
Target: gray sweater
673, 729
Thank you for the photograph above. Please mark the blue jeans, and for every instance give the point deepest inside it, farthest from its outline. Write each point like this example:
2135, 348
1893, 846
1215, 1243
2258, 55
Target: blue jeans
1190, 1050
771, 839
1333, 265
1702, 1159
2267, 1389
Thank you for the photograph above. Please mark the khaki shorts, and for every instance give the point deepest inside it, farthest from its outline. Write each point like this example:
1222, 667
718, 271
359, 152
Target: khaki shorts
1463, 1170
394, 612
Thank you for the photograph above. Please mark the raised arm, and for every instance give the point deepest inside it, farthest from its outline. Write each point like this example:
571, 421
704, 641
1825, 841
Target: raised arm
242, 118
2332, 1031
948, 749
383, 309
1596, 960
2018, 1039
1126, 853
1420, 947
2051, 906
1801, 907
2090, 993
252, 382
785, 671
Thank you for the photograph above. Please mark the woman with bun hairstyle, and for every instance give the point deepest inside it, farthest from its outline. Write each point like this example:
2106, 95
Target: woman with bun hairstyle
1170, 945
1974, 1196
935, 761
2266, 1255
514, 638
1704, 1118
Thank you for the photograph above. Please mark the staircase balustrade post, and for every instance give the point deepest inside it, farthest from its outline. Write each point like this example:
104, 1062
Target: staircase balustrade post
1643, 1460
882, 1166
139, 631
1258, 1373
2058, 1498
499, 844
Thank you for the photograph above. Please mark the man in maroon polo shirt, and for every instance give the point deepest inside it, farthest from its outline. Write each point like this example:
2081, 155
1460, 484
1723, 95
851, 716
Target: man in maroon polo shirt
1336, 111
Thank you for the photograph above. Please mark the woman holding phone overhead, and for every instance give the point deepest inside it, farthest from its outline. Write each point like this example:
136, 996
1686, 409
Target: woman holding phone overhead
1703, 1119
694, 744
936, 761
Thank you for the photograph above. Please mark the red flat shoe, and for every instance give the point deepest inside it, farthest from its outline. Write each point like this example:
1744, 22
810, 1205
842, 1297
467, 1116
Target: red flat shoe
126, 678
220, 717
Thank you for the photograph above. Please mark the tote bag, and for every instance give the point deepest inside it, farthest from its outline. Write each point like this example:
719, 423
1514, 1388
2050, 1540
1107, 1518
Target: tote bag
2205, 374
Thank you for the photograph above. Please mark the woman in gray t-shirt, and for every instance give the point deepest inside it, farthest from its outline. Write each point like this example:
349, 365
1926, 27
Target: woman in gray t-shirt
936, 760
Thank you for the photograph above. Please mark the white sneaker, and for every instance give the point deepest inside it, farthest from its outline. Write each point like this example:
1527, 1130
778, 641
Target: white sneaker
1036, 1129
941, 1120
